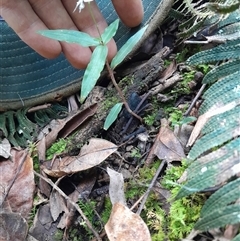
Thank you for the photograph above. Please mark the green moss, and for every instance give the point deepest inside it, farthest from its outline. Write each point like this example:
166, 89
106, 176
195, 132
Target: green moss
57, 148
135, 152
183, 212
107, 210
58, 236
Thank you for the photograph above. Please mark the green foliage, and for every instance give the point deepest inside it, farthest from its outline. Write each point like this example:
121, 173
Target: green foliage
71, 36
57, 148
112, 116
183, 212
106, 210
149, 119
135, 152
127, 48
215, 155
88, 208
93, 70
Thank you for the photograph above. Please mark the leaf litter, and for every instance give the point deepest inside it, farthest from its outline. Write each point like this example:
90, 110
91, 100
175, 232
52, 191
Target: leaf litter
71, 178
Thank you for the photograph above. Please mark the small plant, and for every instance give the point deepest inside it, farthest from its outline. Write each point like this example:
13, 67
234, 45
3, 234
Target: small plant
183, 212
135, 152
57, 148
99, 57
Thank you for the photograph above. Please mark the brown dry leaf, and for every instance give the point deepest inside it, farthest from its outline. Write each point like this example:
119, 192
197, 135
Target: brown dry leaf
82, 191
90, 155
43, 226
12, 227
20, 195
124, 225
64, 127
167, 146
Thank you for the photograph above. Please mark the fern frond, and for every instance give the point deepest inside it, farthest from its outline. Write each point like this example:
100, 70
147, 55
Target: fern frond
230, 32
218, 120
220, 217
220, 71
214, 139
219, 8
224, 196
222, 92
214, 158
237, 238
232, 18
211, 176
229, 50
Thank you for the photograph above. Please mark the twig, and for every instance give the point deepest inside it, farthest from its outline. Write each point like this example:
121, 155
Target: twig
120, 92
195, 100
73, 204
39, 107
14, 179
136, 110
151, 186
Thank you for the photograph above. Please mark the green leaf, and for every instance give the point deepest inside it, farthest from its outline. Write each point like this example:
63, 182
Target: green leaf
71, 36
127, 48
93, 70
110, 31
219, 217
187, 120
237, 238
225, 195
112, 116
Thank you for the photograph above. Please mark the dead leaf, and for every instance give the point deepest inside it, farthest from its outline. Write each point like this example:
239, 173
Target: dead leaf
124, 225
90, 155
82, 191
12, 227
43, 226
62, 128
5, 148
20, 195
166, 146
116, 187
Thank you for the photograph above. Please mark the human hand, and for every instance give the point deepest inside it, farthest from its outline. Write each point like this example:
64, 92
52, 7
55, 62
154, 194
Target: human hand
26, 17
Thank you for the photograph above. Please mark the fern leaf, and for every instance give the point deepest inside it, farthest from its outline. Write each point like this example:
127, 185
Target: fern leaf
219, 217
230, 32
237, 238
221, 71
222, 92
225, 84
214, 158
214, 139
219, 8
232, 18
224, 196
210, 176
217, 121
229, 50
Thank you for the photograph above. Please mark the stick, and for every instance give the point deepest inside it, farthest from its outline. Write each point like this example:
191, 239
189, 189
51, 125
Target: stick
74, 204
150, 187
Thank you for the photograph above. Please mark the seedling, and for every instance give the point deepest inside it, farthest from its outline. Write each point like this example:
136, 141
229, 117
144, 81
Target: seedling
99, 57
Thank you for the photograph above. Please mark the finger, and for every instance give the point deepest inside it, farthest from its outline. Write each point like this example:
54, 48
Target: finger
130, 12
85, 22
22, 19
55, 16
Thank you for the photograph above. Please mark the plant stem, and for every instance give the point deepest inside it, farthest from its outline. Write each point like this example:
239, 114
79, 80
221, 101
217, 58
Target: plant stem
111, 72
120, 92
94, 20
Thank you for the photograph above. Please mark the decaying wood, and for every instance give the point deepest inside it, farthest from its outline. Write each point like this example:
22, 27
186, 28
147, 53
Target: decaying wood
141, 79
